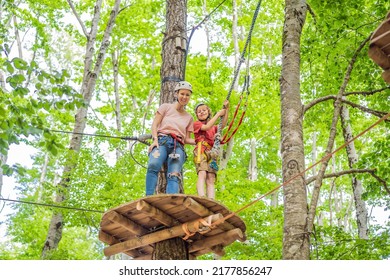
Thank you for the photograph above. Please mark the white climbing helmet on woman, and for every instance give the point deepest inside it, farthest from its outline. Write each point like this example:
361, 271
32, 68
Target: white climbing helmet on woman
183, 85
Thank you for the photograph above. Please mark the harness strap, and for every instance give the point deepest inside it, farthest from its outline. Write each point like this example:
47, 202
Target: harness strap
177, 138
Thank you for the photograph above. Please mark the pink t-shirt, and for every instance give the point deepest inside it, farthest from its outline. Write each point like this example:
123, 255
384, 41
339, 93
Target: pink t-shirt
174, 121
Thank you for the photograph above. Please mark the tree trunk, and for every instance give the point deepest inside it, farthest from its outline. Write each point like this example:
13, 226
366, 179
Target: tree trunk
118, 121
17, 37
253, 161
171, 249
173, 48
295, 239
172, 71
226, 153
87, 89
207, 32
235, 42
43, 176
3, 160
361, 210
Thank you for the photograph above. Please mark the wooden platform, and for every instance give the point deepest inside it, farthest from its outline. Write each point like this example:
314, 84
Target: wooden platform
379, 49
133, 228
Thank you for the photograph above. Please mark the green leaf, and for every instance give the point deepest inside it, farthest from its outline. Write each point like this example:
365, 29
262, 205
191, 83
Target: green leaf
20, 63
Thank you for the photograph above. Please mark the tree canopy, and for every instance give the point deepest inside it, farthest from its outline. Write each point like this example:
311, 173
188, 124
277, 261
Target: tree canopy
44, 47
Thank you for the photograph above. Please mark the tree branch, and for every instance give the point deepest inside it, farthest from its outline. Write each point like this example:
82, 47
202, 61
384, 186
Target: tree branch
340, 173
332, 135
380, 180
379, 114
316, 101
365, 93
352, 171
78, 18
354, 105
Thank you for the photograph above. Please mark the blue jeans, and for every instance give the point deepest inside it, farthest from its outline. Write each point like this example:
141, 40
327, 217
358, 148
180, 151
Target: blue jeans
157, 157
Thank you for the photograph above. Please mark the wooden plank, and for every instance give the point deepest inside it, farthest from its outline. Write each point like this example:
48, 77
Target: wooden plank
108, 239
382, 40
202, 211
379, 57
224, 239
386, 76
143, 257
382, 28
155, 213
176, 231
126, 223
386, 49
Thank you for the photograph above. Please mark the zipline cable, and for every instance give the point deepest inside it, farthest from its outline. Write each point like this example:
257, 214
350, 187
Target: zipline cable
141, 138
51, 205
192, 33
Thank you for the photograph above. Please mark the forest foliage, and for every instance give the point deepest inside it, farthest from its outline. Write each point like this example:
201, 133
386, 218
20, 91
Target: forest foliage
42, 50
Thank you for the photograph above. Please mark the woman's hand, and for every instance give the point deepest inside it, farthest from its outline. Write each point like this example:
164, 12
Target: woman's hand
154, 144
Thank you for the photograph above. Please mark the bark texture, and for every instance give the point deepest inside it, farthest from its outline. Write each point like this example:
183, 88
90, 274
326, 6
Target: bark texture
173, 48
360, 206
295, 239
171, 249
172, 71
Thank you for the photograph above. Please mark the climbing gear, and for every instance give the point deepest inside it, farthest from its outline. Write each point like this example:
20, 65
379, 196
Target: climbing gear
214, 165
225, 139
201, 147
176, 138
183, 85
217, 141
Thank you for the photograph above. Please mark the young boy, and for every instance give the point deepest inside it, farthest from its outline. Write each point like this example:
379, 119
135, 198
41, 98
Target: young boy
204, 131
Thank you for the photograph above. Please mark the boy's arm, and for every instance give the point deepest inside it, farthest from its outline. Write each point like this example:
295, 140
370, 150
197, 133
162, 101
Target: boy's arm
213, 120
225, 116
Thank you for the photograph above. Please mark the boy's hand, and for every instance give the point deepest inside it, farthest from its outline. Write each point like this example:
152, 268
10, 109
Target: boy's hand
226, 104
222, 112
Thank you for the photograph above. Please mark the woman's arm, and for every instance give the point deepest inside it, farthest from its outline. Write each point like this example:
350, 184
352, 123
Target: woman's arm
156, 122
188, 139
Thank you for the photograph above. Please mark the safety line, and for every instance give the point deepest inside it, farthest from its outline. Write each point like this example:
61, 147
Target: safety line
140, 138
50, 205
301, 173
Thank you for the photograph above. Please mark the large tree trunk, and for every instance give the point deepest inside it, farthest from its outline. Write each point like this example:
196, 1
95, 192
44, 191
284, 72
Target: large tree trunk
91, 74
361, 210
172, 71
295, 240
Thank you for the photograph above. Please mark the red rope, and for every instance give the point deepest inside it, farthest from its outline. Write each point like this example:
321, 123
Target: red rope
224, 140
232, 121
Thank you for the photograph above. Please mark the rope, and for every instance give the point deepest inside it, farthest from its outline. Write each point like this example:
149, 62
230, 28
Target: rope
217, 141
301, 173
245, 88
192, 33
51, 205
141, 138
207, 224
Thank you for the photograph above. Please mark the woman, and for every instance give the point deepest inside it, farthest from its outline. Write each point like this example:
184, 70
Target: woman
171, 129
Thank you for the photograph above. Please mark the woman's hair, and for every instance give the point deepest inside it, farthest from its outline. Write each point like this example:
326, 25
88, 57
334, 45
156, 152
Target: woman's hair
208, 109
